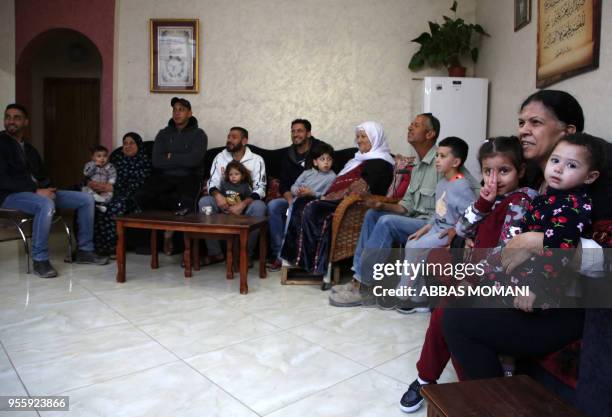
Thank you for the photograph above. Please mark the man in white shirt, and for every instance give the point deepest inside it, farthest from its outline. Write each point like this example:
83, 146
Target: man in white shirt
236, 149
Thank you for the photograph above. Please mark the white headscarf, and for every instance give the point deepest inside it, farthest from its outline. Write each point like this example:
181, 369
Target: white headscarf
380, 147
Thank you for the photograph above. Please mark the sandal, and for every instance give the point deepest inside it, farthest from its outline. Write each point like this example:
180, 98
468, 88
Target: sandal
210, 260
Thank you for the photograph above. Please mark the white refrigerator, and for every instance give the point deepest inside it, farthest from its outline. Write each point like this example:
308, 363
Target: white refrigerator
461, 106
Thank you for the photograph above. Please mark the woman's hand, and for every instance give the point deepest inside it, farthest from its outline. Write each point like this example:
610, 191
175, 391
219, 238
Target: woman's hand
106, 187
100, 187
525, 302
93, 185
520, 248
489, 190
374, 204
359, 187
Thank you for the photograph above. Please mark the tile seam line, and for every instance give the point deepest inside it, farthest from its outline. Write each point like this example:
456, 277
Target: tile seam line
16, 373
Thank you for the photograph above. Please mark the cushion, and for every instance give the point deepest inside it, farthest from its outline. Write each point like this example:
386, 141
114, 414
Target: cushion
401, 177
273, 189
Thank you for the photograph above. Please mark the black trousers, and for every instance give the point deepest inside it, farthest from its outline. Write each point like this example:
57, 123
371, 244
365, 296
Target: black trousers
164, 192
476, 337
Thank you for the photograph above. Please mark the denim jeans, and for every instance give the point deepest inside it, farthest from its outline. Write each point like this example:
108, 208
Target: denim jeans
43, 209
277, 213
256, 209
380, 230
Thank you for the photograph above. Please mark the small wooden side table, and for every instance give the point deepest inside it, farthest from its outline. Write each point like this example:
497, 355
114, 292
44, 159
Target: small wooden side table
517, 396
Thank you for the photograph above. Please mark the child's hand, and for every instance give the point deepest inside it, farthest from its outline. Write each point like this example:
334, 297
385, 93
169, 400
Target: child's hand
236, 209
525, 302
303, 191
489, 191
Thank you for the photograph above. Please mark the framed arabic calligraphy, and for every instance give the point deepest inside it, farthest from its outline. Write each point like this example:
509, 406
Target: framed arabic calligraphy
174, 48
568, 39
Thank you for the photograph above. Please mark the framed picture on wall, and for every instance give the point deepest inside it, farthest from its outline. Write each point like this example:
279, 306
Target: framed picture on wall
522, 13
568, 39
174, 46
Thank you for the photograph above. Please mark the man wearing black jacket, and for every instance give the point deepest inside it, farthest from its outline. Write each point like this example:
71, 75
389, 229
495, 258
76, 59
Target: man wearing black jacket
25, 187
178, 153
292, 166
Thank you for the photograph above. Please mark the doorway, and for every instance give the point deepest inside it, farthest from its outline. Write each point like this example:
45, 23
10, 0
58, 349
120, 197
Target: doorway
71, 126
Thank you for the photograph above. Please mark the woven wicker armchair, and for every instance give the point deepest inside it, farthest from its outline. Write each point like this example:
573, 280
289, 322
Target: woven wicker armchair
346, 227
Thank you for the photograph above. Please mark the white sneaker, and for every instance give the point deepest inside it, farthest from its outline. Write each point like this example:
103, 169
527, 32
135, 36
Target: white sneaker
412, 310
287, 264
349, 286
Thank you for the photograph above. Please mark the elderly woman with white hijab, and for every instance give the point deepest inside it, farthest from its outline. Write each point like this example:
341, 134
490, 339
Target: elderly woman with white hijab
308, 237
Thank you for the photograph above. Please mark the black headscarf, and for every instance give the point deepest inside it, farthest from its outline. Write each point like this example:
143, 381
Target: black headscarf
131, 170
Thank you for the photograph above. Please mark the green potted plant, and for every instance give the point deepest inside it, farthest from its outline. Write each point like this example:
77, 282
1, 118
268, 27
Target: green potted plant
446, 44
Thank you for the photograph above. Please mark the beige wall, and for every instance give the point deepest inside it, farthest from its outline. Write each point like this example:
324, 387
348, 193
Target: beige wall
7, 46
266, 62
509, 61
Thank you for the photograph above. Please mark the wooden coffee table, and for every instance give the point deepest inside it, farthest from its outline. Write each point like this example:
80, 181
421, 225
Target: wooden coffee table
517, 396
219, 226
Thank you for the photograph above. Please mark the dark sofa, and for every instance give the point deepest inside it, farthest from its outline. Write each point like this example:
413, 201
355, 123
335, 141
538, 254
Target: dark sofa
272, 158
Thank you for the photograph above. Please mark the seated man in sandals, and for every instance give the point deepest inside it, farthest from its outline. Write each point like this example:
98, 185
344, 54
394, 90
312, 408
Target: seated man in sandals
236, 149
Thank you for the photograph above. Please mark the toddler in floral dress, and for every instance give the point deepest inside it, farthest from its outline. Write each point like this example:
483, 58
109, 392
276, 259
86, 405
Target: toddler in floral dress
562, 213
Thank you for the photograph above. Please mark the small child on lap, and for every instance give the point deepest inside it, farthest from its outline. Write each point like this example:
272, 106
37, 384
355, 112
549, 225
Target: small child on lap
313, 182
99, 170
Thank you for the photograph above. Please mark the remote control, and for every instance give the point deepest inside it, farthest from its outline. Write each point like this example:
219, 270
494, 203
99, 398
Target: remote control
181, 212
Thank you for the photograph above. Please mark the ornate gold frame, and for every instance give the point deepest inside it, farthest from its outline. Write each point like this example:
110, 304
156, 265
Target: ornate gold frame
178, 73
568, 39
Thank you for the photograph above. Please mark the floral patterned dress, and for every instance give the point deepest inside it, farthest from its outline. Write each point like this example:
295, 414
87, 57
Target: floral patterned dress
131, 174
563, 216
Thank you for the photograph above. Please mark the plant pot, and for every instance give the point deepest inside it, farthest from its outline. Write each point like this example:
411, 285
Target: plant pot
456, 71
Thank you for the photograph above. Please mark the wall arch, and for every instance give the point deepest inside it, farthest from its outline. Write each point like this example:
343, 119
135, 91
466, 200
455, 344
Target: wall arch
35, 20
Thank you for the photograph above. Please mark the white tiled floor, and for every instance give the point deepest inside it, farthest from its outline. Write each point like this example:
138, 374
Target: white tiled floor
162, 345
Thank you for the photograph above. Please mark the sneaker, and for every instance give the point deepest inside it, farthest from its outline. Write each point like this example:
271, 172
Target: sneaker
412, 399
349, 286
44, 269
288, 264
412, 310
386, 303
350, 298
275, 266
101, 208
90, 257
